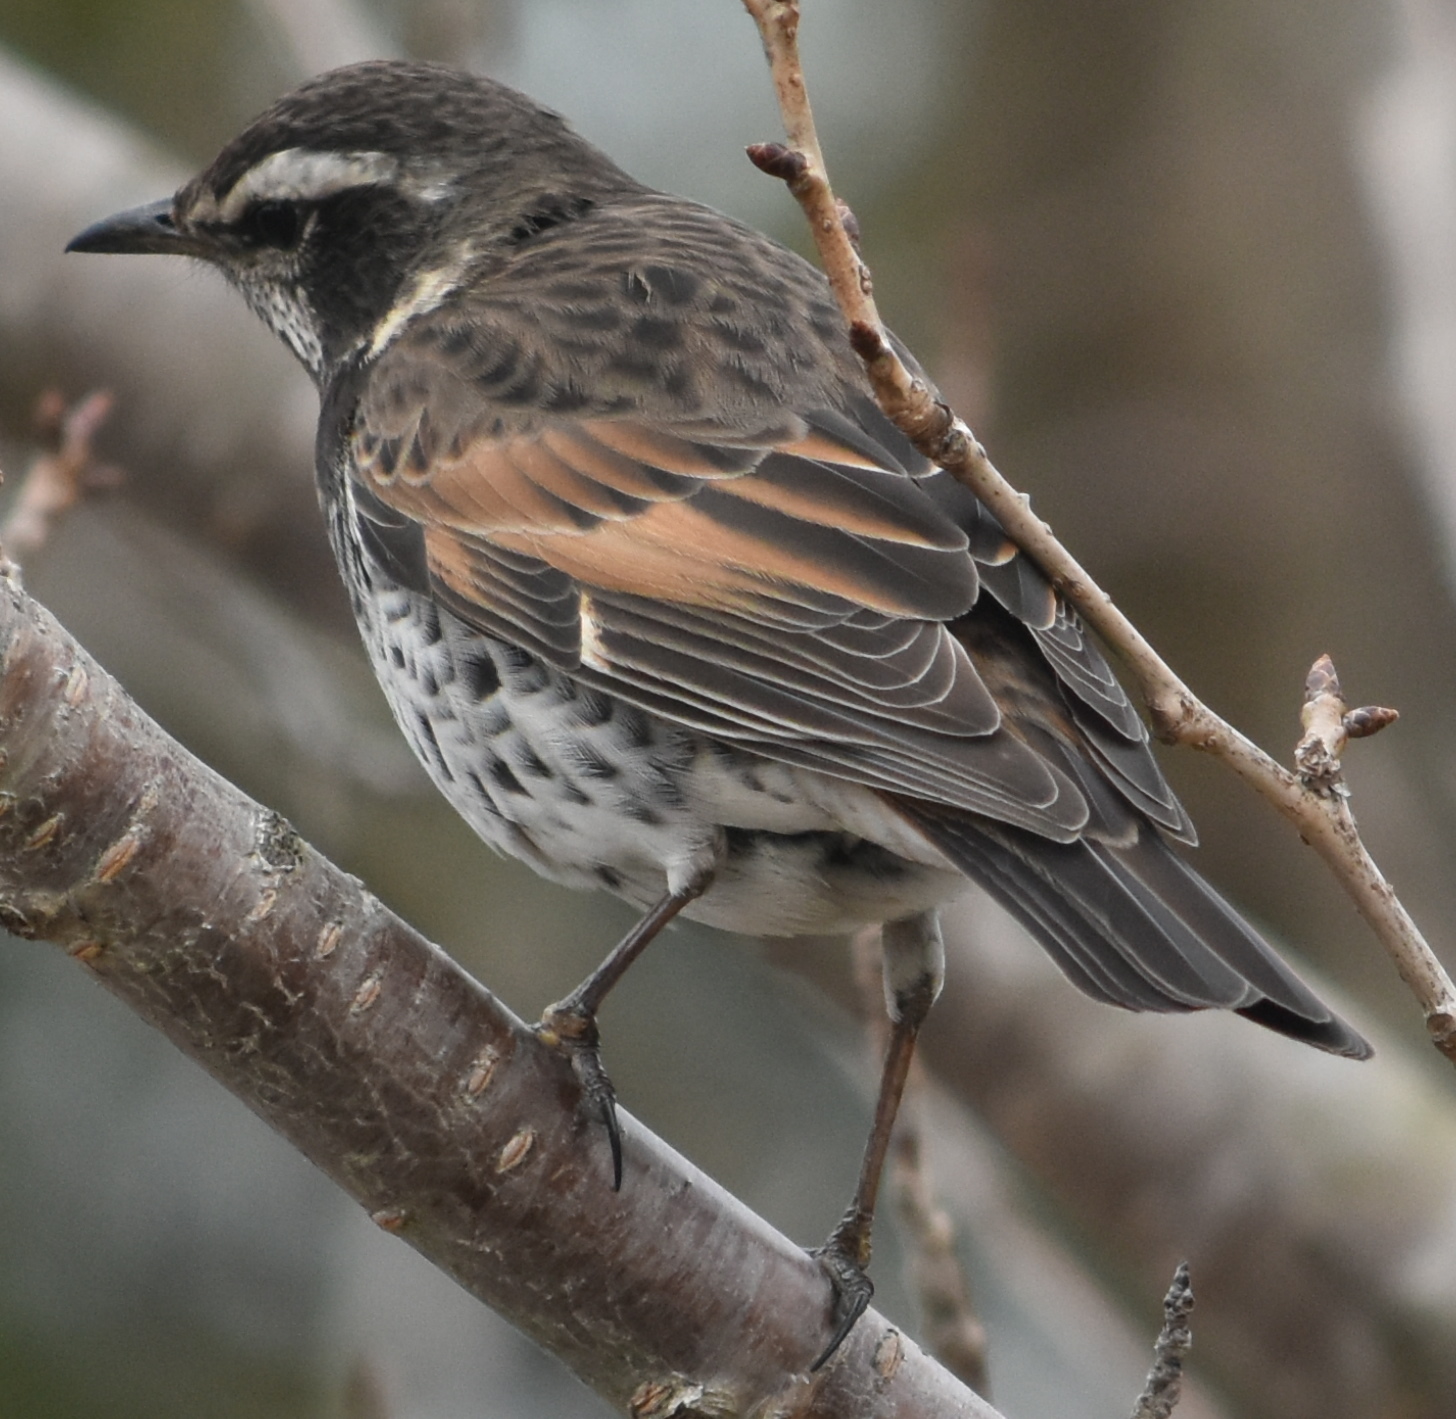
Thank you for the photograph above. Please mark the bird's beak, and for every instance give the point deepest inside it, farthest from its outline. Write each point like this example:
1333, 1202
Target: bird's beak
137, 230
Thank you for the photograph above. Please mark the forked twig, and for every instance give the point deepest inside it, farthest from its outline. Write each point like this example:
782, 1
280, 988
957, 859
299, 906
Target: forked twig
1322, 818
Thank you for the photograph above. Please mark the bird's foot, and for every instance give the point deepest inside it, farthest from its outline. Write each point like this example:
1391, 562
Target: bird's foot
574, 1033
845, 1256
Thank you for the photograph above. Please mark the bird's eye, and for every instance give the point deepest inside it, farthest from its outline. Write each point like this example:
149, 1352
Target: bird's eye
273, 224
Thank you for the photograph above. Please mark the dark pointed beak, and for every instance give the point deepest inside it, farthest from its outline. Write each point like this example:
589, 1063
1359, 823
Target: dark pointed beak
139, 229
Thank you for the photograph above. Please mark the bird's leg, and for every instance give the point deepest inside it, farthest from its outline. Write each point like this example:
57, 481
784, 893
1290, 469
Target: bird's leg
914, 955
570, 1025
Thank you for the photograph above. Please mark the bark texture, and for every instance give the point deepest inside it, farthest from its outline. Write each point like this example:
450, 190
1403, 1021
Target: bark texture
397, 1074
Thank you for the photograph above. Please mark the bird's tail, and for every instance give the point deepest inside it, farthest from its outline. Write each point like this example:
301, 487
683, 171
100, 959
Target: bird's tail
1131, 924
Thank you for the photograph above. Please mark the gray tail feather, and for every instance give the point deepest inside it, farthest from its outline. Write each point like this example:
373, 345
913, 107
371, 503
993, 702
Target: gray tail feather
1130, 924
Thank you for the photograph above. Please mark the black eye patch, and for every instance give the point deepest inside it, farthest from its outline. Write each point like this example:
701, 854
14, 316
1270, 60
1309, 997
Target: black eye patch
277, 224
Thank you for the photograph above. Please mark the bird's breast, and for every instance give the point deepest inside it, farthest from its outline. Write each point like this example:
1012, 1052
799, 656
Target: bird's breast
593, 791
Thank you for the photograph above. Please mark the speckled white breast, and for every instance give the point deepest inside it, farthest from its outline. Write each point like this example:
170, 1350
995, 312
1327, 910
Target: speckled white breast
593, 792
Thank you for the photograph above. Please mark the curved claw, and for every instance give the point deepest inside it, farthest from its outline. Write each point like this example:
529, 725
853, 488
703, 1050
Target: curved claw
852, 1292
575, 1035
571, 1024
597, 1093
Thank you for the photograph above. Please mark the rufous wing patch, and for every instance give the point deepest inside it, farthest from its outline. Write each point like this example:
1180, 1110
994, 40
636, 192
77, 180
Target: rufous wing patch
627, 507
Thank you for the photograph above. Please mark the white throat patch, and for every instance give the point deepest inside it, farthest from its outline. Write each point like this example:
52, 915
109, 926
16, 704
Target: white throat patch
286, 312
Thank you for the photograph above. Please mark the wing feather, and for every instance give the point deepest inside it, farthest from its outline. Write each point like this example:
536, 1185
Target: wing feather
786, 583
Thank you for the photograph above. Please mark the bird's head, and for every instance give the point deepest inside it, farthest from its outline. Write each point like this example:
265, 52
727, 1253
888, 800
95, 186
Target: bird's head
368, 195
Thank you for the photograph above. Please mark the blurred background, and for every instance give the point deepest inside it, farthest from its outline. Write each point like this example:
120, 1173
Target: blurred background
1191, 273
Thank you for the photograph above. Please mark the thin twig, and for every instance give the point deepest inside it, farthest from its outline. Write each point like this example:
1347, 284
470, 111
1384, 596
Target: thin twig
1165, 1380
62, 475
1179, 717
951, 1329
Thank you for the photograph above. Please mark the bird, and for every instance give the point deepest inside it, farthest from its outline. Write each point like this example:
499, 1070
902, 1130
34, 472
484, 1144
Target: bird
662, 600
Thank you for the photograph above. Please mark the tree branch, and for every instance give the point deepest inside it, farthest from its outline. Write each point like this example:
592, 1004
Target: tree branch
1324, 821
397, 1074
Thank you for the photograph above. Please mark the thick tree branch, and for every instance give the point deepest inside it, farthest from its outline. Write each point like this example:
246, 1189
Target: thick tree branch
400, 1076
1324, 821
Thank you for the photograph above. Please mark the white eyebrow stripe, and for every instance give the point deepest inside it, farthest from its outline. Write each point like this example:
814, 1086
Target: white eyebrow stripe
299, 174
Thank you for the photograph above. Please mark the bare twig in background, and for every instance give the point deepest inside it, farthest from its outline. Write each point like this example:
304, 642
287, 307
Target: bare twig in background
1178, 715
1165, 1380
60, 476
397, 1074
951, 1330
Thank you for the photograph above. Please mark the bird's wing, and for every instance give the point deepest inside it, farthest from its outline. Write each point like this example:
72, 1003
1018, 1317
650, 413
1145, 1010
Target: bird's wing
785, 586
812, 590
